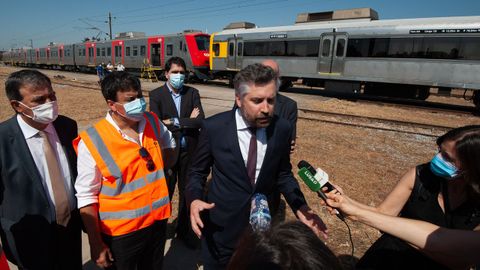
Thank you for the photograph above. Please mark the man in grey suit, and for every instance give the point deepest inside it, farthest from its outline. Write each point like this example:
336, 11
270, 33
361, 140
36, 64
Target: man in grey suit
39, 221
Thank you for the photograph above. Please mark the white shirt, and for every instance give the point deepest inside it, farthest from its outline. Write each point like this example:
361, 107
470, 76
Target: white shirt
89, 179
120, 67
244, 136
35, 145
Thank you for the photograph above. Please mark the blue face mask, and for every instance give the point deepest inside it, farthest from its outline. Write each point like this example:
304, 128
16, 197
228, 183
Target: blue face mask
176, 80
440, 167
134, 109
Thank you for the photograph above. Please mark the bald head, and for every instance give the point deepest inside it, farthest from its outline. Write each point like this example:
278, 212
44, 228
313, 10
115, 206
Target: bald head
273, 65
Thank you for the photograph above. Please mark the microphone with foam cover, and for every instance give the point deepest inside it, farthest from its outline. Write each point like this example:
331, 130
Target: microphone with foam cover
314, 185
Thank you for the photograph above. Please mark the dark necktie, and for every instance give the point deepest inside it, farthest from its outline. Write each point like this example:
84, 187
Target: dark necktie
252, 156
62, 208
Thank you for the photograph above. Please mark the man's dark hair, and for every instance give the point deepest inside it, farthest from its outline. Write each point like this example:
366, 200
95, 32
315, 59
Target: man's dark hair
256, 74
119, 82
290, 245
175, 60
18, 79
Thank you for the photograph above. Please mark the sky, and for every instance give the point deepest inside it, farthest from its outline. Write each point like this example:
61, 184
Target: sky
26, 22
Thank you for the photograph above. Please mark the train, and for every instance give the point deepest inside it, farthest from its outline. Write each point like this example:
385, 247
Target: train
133, 49
349, 51
353, 51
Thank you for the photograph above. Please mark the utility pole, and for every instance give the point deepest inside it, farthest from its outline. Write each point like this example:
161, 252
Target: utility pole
110, 23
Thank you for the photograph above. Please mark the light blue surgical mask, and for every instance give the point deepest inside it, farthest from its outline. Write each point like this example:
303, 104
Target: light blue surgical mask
176, 80
440, 167
134, 109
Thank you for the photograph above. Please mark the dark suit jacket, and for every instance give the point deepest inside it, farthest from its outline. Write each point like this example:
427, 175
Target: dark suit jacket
26, 225
286, 108
161, 103
230, 188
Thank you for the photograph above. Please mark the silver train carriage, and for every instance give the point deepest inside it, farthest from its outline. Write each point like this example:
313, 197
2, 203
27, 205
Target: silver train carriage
362, 55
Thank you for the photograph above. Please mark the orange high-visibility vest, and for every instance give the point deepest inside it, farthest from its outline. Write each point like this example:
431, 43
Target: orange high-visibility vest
131, 196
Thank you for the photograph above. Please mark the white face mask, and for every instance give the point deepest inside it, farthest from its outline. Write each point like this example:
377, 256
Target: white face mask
44, 113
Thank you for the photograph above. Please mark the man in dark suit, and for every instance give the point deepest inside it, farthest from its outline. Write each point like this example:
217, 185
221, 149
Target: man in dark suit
40, 226
180, 109
248, 151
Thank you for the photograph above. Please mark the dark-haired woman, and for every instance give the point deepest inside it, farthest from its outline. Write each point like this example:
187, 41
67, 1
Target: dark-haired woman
439, 203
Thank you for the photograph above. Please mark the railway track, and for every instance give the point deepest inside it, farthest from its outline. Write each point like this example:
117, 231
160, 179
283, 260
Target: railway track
374, 123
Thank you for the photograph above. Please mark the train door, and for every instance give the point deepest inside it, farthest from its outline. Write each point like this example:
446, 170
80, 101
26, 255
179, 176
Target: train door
239, 54
155, 49
231, 56
48, 56
91, 55
332, 53
339, 51
60, 55
118, 54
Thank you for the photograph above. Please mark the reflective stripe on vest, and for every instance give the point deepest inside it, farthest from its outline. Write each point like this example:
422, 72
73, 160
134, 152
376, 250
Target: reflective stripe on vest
154, 125
130, 214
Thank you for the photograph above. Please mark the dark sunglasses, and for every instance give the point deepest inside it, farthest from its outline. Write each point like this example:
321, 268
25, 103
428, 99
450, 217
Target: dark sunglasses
146, 156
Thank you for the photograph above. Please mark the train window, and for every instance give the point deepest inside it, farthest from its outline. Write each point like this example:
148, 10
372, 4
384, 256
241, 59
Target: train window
127, 51
203, 43
90, 51
134, 50
470, 49
401, 47
216, 49
255, 49
302, 48
169, 49
83, 52
79, 53
380, 47
441, 48
109, 51
142, 50
118, 51
239, 49
230, 49
340, 47
181, 45
276, 48
358, 47
103, 51
98, 51
326, 47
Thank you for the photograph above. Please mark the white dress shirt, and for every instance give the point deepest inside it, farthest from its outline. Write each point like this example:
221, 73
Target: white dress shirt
244, 136
89, 179
35, 145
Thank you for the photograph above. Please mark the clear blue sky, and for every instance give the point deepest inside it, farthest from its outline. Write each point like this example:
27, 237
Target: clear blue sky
71, 21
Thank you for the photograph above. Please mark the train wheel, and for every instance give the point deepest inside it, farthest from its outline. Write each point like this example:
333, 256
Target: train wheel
423, 93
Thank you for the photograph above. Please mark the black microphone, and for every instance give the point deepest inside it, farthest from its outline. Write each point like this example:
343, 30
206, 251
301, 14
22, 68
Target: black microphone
310, 180
320, 175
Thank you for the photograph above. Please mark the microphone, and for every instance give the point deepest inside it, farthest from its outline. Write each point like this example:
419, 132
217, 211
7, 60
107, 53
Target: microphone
309, 178
320, 175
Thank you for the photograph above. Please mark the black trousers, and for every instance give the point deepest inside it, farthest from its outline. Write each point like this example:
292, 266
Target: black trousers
62, 251
179, 175
142, 249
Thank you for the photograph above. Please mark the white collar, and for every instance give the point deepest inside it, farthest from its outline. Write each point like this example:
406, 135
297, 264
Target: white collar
29, 131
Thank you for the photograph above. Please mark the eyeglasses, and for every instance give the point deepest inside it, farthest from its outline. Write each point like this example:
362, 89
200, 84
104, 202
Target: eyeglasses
146, 156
